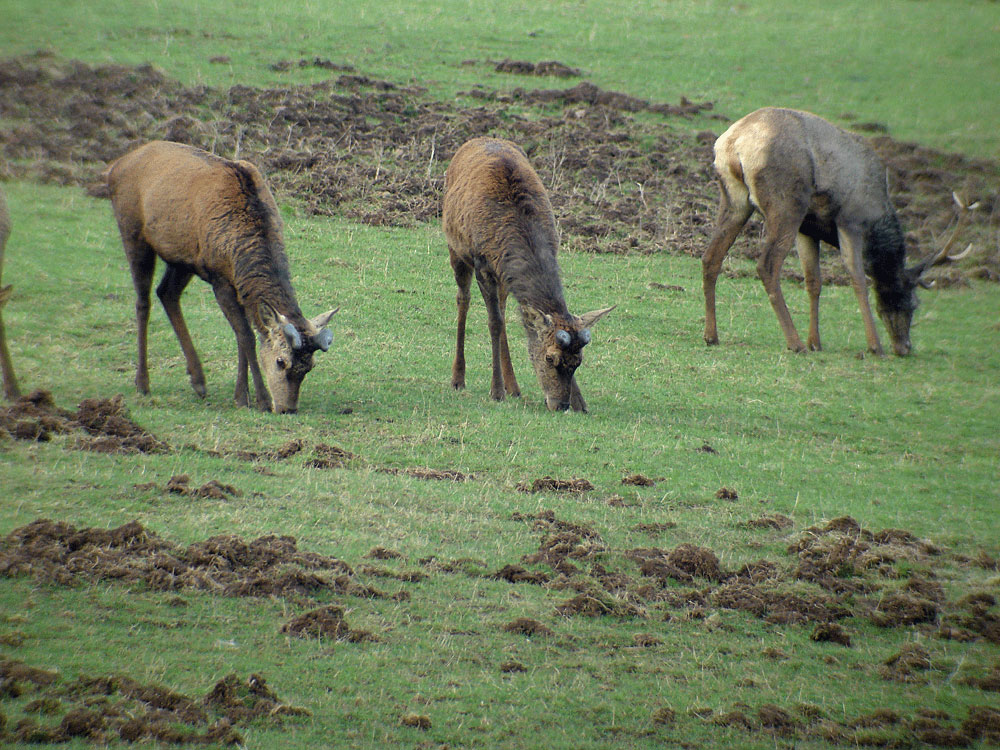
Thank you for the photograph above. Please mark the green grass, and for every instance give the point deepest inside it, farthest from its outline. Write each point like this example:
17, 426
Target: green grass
926, 69
896, 443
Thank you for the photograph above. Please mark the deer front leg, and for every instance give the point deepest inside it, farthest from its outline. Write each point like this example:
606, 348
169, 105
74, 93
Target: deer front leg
488, 287
506, 367
169, 291
780, 230
246, 347
463, 278
851, 245
141, 260
808, 250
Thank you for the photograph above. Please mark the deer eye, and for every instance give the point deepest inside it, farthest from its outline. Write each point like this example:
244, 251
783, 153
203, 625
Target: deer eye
282, 364
550, 360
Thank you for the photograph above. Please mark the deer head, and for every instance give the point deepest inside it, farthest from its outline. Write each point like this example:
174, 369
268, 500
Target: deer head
286, 355
555, 344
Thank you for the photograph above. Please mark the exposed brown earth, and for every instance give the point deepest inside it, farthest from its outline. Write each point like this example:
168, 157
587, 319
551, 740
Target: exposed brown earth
376, 151
114, 708
100, 425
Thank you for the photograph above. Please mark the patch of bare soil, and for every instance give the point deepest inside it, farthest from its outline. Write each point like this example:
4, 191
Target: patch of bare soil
326, 622
228, 565
180, 484
880, 728
831, 632
774, 521
547, 68
376, 151
104, 424
550, 484
638, 480
527, 626
116, 708
905, 665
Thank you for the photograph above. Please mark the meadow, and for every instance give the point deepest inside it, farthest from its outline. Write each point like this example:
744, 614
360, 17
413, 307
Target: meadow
707, 558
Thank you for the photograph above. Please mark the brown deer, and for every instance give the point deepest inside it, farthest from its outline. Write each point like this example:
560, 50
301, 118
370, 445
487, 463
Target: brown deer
812, 181
10, 389
205, 215
499, 225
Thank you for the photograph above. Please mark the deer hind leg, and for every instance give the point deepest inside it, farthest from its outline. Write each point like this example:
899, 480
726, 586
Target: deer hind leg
851, 247
169, 290
463, 278
781, 226
246, 347
808, 250
488, 287
506, 367
141, 261
733, 214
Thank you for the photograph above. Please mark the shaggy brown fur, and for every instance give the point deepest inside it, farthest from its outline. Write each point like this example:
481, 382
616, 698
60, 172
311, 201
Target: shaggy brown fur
10, 389
812, 182
216, 218
499, 225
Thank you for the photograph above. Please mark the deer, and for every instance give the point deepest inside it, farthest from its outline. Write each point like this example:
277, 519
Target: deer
813, 181
499, 225
206, 215
11, 391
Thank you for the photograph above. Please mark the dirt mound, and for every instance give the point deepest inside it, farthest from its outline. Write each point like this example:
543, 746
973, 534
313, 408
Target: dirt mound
527, 626
115, 708
638, 480
105, 422
228, 565
376, 152
550, 484
548, 68
326, 622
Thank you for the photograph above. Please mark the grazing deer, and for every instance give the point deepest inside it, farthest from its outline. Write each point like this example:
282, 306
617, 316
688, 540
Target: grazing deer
812, 181
10, 389
216, 218
499, 224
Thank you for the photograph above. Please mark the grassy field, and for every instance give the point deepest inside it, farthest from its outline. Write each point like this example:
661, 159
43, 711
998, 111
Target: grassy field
665, 660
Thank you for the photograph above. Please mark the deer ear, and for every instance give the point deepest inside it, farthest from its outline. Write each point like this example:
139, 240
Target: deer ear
321, 320
534, 319
588, 319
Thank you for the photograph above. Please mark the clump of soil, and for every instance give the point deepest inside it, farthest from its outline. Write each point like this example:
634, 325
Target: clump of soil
287, 450
326, 622
511, 666
228, 565
417, 721
527, 626
329, 457
596, 603
105, 422
664, 715
180, 484
638, 480
114, 708
904, 666
774, 521
549, 484
726, 493
517, 574
831, 632
548, 68
451, 475
655, 528
381, 553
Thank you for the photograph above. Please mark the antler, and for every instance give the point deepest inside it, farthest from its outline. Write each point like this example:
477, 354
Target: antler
941, 256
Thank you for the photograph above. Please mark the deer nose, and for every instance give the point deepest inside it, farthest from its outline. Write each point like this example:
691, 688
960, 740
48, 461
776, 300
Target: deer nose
563, 405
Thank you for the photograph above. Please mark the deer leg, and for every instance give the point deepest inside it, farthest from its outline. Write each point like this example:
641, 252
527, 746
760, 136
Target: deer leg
246, 347
488, 287
732, 217
463, 278
141, 261
851, 245
11, 391
506, 367
808, 250
576, 402
169, 290
780, 229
